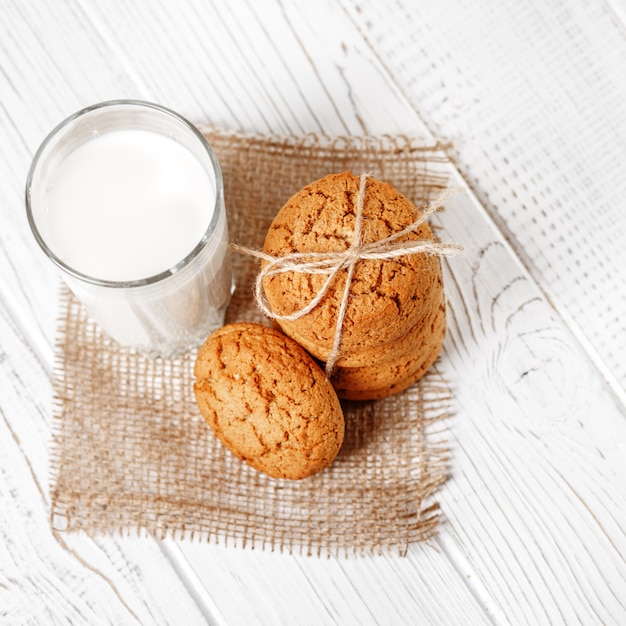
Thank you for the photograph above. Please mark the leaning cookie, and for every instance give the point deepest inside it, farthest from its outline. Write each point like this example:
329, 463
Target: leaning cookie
268, 401
391, 376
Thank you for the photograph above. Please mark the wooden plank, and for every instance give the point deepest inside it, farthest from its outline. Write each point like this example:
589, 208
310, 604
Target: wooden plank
537, 498
257, 587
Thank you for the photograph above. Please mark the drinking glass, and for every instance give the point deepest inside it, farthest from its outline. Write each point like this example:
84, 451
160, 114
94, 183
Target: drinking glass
167, 313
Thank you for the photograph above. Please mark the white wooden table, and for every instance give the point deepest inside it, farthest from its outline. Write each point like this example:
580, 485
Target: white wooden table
532, 96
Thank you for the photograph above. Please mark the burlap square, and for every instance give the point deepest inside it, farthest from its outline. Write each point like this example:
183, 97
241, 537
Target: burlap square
130, 451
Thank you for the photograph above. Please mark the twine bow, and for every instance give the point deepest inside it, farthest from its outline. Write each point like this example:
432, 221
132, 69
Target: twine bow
331, 263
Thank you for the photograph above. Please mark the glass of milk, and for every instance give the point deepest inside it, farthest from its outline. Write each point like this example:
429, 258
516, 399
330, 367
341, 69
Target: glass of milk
126, 198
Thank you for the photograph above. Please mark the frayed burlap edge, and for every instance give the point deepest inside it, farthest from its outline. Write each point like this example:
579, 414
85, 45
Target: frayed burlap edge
88, 497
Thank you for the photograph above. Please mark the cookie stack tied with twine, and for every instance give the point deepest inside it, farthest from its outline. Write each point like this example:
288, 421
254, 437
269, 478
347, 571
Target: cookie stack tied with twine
351, 271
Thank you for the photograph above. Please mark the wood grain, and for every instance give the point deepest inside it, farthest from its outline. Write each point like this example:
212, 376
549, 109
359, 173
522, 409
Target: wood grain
538, 493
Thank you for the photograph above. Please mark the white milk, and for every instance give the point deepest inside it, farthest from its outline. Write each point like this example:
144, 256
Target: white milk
127, 205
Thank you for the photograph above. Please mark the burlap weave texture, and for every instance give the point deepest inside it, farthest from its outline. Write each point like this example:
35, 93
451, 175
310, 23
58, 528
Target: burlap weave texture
130, 451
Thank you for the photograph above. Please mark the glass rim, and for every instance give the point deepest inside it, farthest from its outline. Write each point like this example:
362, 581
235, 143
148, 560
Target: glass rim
140, 282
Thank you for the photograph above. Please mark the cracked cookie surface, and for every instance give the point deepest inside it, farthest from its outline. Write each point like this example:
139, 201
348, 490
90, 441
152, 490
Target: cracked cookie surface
387, 298
268, 401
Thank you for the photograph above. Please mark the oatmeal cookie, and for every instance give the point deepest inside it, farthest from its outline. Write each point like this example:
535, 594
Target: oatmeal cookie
268, 401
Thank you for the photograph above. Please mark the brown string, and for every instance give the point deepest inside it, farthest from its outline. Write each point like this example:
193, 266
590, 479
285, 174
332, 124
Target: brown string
331, 263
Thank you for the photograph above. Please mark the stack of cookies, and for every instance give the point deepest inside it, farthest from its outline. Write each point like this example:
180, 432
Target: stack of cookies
394, 322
